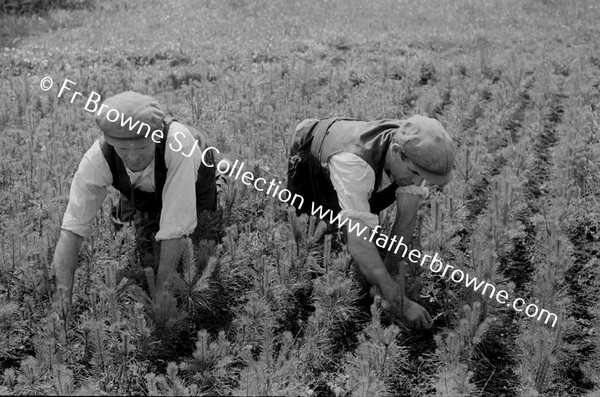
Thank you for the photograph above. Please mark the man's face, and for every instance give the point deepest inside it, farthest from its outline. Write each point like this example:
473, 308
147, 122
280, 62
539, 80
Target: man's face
138, 158
403, 170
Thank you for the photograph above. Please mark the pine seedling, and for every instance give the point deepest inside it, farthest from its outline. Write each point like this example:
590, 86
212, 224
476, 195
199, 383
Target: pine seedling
490, 236
338, 295
10, 381
115, 330
103, 322
329, 331
442, 227
31, 378
592, 368
503, 225
250, 320
275, 369
542, 345
35, 373
99, 344
63, 380
192, 287
378, 360
294, 286
227, 193
237, 271
51, 342
9, 323
170, 384
110, 293
443, 231
316, 351
163, 311
306, 234
211, 362
455, 351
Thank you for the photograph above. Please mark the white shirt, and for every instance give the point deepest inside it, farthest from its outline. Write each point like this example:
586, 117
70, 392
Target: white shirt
93, 177
354, 180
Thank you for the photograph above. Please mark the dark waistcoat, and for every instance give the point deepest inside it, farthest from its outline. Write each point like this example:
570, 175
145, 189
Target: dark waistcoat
369, 140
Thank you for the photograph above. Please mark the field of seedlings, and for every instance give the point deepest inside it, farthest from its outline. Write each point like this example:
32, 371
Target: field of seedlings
274, 309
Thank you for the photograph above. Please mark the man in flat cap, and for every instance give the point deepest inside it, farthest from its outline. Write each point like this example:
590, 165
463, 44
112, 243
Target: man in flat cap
166, 187
358, 168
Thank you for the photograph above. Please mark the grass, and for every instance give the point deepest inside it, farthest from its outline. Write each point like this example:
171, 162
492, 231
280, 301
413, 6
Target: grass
516, 84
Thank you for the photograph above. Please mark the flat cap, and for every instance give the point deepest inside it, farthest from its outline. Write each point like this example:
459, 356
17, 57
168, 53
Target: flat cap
425, 141
128, 118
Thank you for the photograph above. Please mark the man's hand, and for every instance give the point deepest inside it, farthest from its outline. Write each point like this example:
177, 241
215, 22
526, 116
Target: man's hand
393, 298
416, 315
413, 314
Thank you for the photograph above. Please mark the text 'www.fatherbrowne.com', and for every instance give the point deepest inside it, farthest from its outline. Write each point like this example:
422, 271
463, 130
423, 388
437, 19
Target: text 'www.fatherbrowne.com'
436, 266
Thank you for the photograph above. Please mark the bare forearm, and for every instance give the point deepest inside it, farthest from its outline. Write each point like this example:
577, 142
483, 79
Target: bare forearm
404, 224
371, 266
64, 262
170, 254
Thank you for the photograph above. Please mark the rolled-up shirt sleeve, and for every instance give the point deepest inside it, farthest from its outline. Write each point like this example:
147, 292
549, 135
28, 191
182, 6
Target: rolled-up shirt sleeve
353, 180
178, 217
88, 191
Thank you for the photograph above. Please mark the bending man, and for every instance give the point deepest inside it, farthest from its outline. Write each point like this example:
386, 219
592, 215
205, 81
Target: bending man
166, 182
358, 168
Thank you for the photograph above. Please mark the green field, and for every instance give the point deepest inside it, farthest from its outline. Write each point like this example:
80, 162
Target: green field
275, 311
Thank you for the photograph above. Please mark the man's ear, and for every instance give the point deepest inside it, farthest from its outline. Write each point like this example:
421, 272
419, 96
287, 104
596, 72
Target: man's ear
396, 149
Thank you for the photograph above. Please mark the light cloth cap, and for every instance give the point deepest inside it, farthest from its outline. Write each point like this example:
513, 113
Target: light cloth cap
425, 141
130, 133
